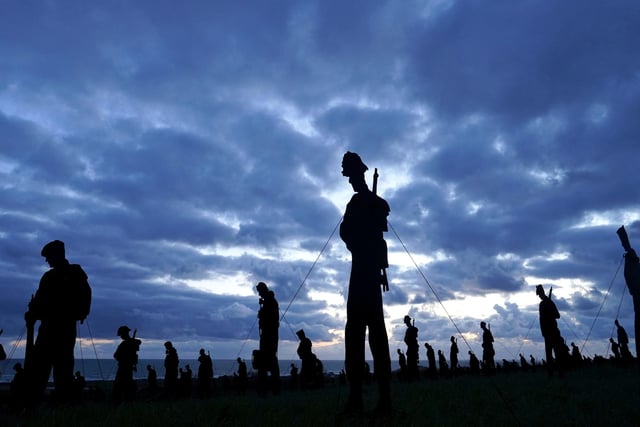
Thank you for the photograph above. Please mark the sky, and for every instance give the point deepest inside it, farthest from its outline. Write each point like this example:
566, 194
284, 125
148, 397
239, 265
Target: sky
186, 151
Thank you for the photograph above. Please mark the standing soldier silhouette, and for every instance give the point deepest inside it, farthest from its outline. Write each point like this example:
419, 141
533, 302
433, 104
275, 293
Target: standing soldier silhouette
413, 348
632, 277
124, 387
453, 355
362, 228
488, 352
171, 362
268, 322
549, 328
63, 297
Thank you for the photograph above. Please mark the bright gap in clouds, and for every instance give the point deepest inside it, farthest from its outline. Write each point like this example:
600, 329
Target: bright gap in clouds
613, 218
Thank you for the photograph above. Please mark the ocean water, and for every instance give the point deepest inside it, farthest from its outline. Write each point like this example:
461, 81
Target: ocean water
105, 369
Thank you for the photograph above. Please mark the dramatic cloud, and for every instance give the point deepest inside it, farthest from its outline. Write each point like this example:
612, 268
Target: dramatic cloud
184, 153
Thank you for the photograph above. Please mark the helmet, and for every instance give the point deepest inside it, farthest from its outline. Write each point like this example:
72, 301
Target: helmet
123, 330
352, 165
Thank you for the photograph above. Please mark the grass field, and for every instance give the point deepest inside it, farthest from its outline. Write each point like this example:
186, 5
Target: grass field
593, 396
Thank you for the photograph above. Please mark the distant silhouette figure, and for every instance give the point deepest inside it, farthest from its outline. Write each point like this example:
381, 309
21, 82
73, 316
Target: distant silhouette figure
442, 362
319, 373
523, 363
242, 376
293, 376
553, 341
63, 297
623, 341
402, 361
432, 371
124, 387
308, 360
615, 348
532, 360
268, 322
205, 373
362, 228
453, 355
411, 340
3, 354
19, 388
474, 363
186, 375
632, 277
488, 352
576, 357
79, 383
171, 362
152, 378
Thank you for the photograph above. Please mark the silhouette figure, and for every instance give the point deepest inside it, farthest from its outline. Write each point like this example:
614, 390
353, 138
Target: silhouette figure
523, 363
615, 348
432, 371
319, 377
411, 340
474, 363
553, 341
362, 228
632, 277
308, 360
293, 376
532, 360
152, 378
402, 361
205, 373
19, 388
576, 357
242, 377
488, 352
79, 383
186, 375
124, 387
171, 362
3, 354
268, 322
442, 362
453, 355
623, 341
63, 297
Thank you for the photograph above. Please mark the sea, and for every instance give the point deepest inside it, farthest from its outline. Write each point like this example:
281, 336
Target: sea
105, 369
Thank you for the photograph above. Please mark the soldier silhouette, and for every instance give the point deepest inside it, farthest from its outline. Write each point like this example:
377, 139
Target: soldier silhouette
402, 361
632, 277
615, 348
432, 371
623, 341
474, 363
152, 378
241, 377
63, 297
453, 355
205, 373
553, 341
124, 387
411, 340
362, 228
293, 376
171, 362
268, 322
442, 363
308, 360
488, 352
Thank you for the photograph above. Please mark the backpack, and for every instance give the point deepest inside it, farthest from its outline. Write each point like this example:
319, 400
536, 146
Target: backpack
81, 292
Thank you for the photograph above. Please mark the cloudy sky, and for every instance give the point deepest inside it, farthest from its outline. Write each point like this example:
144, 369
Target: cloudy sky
186, 151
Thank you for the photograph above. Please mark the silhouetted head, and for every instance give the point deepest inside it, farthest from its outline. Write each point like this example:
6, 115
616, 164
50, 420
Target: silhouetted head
452, 339
301, 334
53, 252
352, 165
262, 289
17, 367
540, 291
238, 360
202, 351
483, 325
616, 322
168, 345
123, 331
407, 320
611, 340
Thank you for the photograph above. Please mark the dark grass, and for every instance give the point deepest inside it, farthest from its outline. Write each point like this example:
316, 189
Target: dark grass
594, 396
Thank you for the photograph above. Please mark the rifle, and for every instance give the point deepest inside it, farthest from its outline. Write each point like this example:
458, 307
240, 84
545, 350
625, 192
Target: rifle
385, 280
624, 238
550, 292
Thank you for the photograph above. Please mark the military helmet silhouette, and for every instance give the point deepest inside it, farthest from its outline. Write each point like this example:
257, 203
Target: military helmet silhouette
352, 164
53, 249
123, 330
